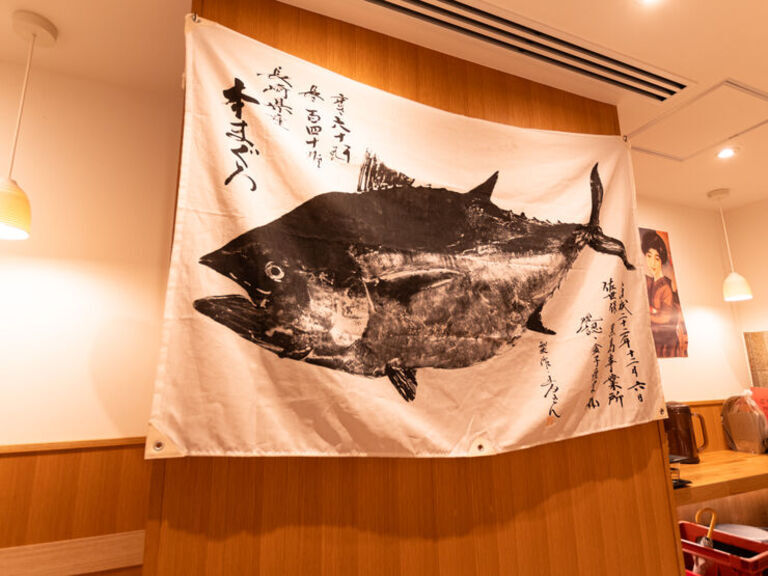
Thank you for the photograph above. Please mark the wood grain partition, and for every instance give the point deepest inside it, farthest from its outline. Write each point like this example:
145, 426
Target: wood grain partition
65, 493
595, 505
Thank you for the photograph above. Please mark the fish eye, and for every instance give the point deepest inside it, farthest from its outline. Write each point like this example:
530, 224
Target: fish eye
274, 272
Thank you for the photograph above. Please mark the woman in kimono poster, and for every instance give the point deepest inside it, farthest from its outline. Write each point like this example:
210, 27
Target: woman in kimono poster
669, 334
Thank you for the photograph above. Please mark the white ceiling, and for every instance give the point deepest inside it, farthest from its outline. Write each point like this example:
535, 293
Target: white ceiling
139, 43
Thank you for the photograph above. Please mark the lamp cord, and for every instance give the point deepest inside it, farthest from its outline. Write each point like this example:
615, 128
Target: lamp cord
21, 105
725, 233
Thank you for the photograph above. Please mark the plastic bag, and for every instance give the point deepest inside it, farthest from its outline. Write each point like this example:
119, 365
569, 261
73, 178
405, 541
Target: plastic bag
745, 425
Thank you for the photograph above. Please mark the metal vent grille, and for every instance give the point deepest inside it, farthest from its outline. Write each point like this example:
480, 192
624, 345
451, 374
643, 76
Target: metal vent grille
502, 32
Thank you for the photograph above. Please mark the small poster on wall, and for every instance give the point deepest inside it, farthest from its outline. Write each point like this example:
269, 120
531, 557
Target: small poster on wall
667, 324
757, 352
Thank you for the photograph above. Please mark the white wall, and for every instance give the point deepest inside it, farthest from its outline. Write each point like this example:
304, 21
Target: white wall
81, 300
716, 365
748, 234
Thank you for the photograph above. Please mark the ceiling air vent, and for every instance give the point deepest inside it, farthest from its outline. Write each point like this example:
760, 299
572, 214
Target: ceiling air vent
521, 39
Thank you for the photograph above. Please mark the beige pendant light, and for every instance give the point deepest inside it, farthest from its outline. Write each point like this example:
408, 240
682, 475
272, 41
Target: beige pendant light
15, 213
735, 287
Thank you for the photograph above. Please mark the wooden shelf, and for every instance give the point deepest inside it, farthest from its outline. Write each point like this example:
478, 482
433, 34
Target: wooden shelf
722, 473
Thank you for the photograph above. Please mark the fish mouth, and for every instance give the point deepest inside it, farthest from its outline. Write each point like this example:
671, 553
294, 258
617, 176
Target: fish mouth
252, 323
221, 262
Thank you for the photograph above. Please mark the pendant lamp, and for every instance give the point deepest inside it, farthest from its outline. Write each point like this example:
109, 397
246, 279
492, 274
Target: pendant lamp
735, 287
15, 215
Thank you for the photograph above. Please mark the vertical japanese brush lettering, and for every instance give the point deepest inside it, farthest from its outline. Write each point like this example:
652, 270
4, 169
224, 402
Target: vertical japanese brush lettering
615, 389
549, 383
617, 346
625, 342
243, 147
340, 150
314, 129
279, 88
592, 327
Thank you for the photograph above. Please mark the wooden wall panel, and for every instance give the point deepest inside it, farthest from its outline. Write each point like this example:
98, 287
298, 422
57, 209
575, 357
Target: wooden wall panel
410, 71
59, 495
93, 554
575, 507
594, 505
135, 571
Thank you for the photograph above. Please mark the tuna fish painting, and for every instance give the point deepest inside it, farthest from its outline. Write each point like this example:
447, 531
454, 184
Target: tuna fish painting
398, 277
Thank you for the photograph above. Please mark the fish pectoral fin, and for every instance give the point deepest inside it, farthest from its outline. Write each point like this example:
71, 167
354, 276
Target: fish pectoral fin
404, 380
295, 354
535, 324
401, 286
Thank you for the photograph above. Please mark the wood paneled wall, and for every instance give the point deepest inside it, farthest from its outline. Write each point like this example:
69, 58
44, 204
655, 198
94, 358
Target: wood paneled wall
593, 505
63, 494
405, 69
596, 505
60, 495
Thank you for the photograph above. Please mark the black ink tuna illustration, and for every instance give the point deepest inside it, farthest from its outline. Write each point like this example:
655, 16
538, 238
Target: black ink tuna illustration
398, 277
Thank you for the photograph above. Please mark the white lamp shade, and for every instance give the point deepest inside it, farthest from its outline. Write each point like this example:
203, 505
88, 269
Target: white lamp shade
15, 214
736, 288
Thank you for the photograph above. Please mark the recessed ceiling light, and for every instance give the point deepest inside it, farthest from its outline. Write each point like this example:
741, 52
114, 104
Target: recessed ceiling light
727, 152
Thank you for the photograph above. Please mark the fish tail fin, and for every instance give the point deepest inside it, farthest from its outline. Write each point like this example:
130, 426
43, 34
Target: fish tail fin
607, 245
596, 185
595, 237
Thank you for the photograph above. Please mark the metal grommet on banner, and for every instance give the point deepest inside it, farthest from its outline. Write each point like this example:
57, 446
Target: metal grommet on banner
158, 446
194, 17
481, 447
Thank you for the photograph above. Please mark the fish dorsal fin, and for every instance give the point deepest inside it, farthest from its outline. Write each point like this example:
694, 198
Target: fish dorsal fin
485, 189
375, 175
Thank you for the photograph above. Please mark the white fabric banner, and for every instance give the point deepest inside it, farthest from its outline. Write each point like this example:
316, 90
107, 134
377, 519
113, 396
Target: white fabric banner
354, 273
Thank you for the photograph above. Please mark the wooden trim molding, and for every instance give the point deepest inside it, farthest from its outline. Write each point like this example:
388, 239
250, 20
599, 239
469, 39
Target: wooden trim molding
76, 556
75, 445
705, 403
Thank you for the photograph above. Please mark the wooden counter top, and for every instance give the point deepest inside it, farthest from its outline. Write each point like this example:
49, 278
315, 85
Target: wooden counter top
722, 473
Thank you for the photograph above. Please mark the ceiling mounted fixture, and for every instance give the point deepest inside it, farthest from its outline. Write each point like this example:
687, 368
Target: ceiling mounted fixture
727, 152
500, 31
735, 287
15, 213
720, 116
